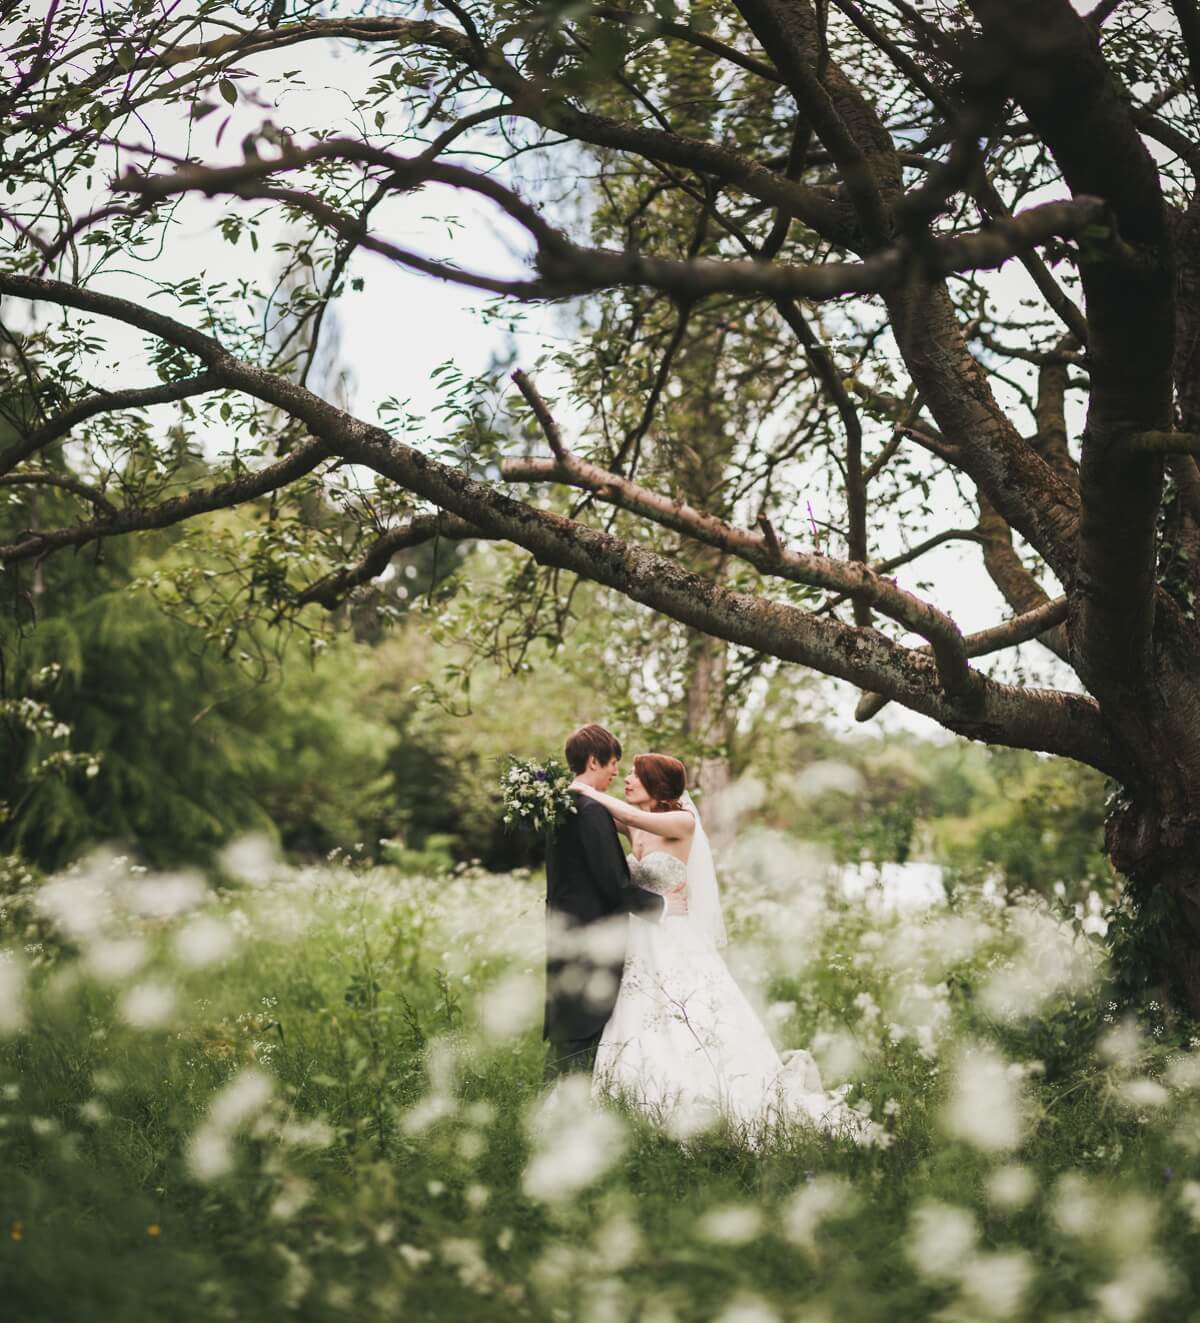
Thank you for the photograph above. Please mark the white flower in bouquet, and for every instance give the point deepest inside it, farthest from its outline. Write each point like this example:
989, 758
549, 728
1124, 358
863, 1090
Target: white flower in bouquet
536, 795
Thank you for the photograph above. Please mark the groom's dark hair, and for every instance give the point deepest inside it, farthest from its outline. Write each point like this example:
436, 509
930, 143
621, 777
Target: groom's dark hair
588, 741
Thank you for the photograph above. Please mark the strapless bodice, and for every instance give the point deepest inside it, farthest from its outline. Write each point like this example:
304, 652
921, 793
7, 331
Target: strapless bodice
657, 871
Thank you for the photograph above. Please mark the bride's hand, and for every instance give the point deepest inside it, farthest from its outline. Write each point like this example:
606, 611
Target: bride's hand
583, 788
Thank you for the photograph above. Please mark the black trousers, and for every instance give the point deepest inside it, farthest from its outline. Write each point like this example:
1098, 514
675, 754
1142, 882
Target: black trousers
570, 1056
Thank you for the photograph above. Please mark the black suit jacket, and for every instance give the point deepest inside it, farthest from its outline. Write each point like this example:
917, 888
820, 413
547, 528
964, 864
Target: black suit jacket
588, 895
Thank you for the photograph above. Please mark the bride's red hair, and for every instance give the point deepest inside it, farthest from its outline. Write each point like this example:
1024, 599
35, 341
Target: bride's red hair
664, 779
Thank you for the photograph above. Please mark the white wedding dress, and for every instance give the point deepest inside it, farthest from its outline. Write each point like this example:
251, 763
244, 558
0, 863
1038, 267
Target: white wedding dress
683, 1043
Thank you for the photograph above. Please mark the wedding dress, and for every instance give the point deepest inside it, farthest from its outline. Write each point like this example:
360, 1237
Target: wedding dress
683, 1043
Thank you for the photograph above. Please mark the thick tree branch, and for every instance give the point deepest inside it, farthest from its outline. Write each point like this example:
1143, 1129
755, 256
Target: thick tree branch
569, 269
1020, 629
1026, 718
764, 551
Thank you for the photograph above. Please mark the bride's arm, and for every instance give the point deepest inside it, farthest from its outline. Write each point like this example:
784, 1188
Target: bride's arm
673, 825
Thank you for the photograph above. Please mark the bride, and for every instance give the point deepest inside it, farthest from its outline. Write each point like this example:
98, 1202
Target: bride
683, 1043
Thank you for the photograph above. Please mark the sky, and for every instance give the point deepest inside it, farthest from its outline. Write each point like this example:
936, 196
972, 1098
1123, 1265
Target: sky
402, 326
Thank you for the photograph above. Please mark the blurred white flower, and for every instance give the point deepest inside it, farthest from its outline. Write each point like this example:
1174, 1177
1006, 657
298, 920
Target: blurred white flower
79, 905
297, 1278
1011, 1186
166, 895
250, 859
12, 995
617, 1241
414, 1257
820, 1199
1051, 959
467, 1256
1189, 1197
1143, 1092
306, 1132
1141, 1283
1074, 1207
748, 1309
203, 940
1184, 1072
110, 961
941, 1240
574, 1142
1123, 1044
730, 1224
209, 1154
985, 1107
94, 1111
838, 1054
996, 1283
510, 1006
147, 1005
292, 1196
241, 1100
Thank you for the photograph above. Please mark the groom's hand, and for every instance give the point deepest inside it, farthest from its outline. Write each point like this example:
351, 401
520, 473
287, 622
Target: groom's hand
677, 904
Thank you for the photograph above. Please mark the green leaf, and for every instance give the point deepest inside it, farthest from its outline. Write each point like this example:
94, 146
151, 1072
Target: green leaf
226, 411
125, 58
228, 91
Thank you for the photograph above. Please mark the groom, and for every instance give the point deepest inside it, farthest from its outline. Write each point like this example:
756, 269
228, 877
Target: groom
588, 895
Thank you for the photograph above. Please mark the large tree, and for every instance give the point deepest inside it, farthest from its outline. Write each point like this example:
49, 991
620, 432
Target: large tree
838, 184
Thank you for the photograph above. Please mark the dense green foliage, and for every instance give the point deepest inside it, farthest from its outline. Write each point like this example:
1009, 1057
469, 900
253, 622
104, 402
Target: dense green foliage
339, 1125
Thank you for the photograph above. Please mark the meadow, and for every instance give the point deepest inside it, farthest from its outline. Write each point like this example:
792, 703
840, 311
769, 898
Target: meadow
314, 1093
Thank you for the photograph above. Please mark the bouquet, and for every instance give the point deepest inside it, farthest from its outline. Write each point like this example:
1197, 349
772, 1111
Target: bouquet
536, 795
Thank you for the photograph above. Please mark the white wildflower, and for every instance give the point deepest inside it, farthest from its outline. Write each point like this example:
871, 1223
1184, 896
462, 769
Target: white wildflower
996, 1283
730, 1224
941, 1240
510, 1006
985, 1107
575, 1143
821, 1199
12, 997
110, 961
147, 1005
1011, 1186
203, 940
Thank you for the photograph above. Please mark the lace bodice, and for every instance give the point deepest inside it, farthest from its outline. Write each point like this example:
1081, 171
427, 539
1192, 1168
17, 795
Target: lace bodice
657, 871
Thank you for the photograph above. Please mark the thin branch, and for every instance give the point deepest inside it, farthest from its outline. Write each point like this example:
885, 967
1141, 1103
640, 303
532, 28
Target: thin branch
936, 540
105, 402
331, 590
221, 496
542, 413
653, 26
75, 485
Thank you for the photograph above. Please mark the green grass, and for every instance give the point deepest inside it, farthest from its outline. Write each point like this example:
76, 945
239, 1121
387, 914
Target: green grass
330, 1118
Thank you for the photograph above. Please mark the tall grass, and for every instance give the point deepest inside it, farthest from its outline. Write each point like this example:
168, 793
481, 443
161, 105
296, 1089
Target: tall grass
315, 1094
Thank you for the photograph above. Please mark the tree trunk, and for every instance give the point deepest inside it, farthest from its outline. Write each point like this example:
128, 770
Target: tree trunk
1156, 847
